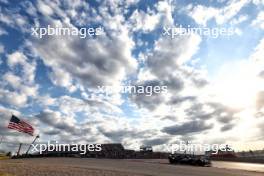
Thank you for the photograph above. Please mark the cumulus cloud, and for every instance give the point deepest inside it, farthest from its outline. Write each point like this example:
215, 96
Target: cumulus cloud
22, 83
18, 58
239, 19
13, 98
144, 21
12, 18
58, 121
63, 79
258, 53
260, 100
166, 64
156, 141
261, 74
92, 62
146, 100
80, 65
202, 14
227, 127
174, 51
187, 128
211, 110
3, 32
118, 135
259, 21
178, 99
44, 8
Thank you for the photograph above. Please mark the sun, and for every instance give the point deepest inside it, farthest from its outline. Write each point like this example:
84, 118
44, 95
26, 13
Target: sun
237, 87
237, 93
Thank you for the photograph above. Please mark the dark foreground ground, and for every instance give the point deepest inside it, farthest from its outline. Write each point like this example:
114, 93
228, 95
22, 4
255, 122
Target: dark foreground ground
108, 167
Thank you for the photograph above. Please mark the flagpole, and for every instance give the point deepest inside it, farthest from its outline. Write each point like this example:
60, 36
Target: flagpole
19, 148
32, 144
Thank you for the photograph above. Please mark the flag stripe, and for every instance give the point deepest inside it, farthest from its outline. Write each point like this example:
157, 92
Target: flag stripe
21, 126
20, 129
17, 127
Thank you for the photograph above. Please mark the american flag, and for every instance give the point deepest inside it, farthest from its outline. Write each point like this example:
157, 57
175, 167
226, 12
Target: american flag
20, 125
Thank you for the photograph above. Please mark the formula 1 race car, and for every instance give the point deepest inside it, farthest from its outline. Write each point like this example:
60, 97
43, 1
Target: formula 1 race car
189, 160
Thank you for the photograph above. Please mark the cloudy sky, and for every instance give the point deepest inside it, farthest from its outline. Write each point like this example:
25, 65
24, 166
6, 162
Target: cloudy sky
215, 85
